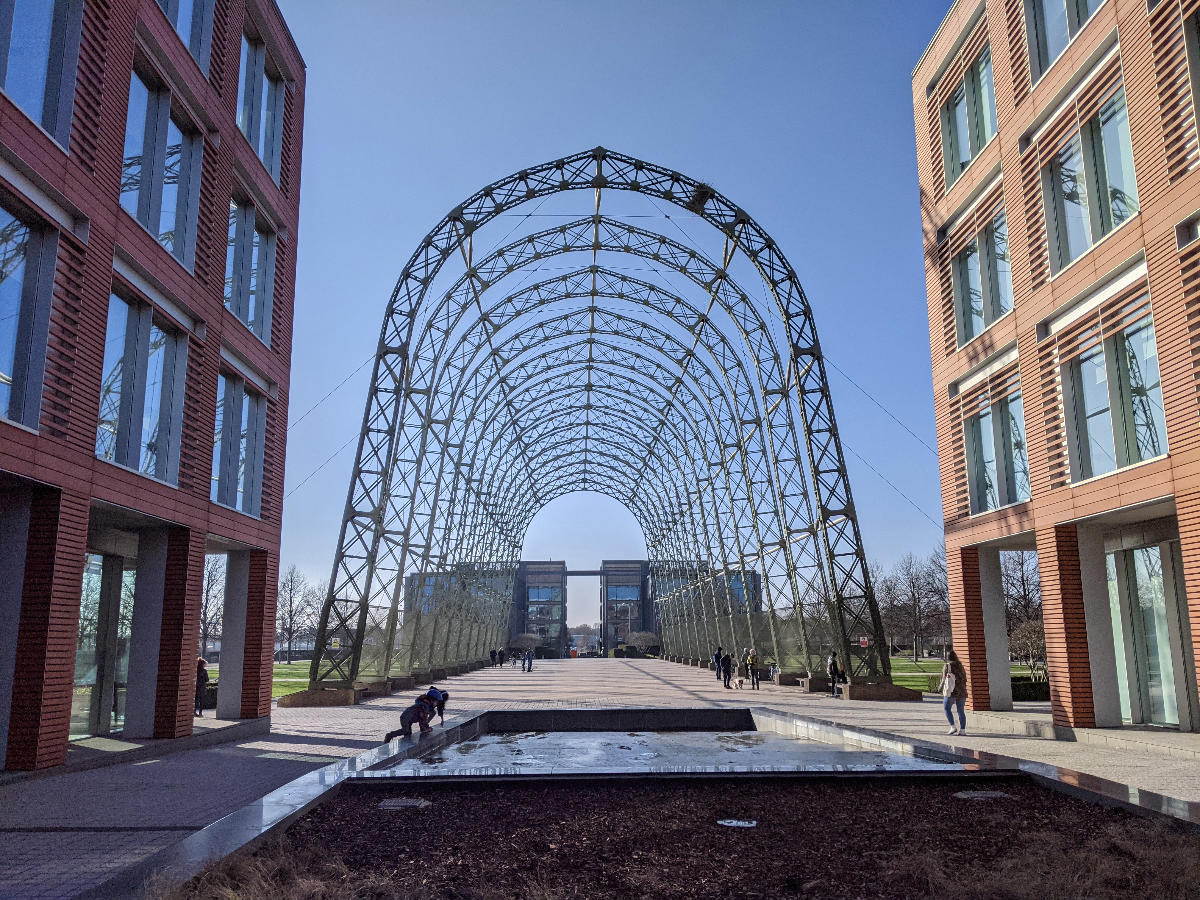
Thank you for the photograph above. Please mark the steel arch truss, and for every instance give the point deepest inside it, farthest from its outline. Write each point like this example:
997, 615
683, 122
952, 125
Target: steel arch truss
702, 407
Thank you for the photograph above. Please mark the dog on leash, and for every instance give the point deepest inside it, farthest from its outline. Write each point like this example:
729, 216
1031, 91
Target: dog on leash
739, 683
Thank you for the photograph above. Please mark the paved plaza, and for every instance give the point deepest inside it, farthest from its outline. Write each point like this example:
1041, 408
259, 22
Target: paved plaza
61, 834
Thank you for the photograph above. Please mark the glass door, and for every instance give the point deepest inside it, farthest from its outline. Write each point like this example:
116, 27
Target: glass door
1150, 634
102, 647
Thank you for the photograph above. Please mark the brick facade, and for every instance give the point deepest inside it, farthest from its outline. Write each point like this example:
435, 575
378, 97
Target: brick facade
1144, 50
82, 176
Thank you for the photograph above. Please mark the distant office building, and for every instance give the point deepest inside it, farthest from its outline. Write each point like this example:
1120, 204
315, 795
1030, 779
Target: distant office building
626, 602
1059, 175
149, 200
540, 605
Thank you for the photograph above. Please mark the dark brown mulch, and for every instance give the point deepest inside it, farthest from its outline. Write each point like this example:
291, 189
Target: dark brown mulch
899, 838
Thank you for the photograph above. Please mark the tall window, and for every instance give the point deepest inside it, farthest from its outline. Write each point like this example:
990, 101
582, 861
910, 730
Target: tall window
193, 20
141, 391
982, 277
1051, 24
1115, 401
998, 465
238, 445
160, 176
37, 65
1089, 187
26, 273
969, 117
260, 103
250, 268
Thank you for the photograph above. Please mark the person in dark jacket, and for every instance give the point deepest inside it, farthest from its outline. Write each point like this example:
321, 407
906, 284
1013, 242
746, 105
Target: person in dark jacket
954, 692
439, 698
419, 713
501, 655
201, 684
493, 652
716, 661
727, 669
834, 670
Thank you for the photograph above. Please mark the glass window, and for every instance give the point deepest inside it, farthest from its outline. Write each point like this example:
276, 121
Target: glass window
135, 145
143, 371
1097, 162
998, 466
34, 70
161, 166
1141, 391
969, 117
1068, 190
260, 103
1117, 188
237, 445
250, 268
14, 251
1122, 424
192, 20
982, 280
1051, 25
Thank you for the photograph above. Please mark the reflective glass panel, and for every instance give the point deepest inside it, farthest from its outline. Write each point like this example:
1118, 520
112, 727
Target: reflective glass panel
254, 290
153, 440
1019, 459
1150, 609
1053, 34
135, 141
14, 242
1003, 268
112, 378
245, 119
983, 453
1094, 416
987, 97
1144, 400
1115, 163
218, 432
243, 469
230, 248
173, 197
29, 52
961, 138
1119, 628
1069, 193
970, 286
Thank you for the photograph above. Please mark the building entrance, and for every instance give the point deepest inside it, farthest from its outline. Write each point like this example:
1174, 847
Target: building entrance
102, 648
1150, 630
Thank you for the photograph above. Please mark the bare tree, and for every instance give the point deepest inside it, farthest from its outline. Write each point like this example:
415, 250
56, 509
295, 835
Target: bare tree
914, 599
1022, 588
643, 640
212, 600
1028, 642
294, 609
525, 641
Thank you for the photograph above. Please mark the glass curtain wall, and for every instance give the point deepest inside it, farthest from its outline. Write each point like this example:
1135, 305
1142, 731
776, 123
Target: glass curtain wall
102, 647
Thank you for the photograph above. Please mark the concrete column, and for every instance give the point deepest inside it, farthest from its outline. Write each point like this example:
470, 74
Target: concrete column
14, 535
39, 719
145, 633
1102, 654
995, 629
233, 636
1063, 615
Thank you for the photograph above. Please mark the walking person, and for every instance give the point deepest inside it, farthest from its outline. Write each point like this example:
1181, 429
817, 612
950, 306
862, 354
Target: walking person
716, 661
493, 657
201, 684
727, 669
500, 656
529, 660
954, 692
834, 670
522, 661
752, 668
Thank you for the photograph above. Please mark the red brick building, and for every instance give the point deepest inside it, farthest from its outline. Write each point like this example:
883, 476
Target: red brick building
149, 193
1060, 193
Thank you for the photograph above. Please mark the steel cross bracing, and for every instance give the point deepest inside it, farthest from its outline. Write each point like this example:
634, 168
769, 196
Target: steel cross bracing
702, 407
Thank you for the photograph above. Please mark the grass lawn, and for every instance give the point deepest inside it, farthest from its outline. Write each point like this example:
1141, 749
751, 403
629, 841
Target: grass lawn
909, 674
288, 678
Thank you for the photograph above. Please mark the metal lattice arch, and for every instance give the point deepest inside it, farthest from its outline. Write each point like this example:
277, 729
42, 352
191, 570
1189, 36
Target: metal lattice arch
688, 385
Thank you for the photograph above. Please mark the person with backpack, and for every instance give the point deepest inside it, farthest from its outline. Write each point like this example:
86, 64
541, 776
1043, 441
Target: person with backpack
954, 692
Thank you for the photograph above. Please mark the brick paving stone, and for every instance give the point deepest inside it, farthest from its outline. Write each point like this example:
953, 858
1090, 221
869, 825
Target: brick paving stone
190, 789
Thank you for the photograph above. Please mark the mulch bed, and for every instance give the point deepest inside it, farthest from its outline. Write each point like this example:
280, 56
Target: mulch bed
827, 838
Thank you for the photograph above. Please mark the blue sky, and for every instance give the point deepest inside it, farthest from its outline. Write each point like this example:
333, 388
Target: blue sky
801, 112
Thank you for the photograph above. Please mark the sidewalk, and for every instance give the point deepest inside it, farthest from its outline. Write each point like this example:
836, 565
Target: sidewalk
63, 833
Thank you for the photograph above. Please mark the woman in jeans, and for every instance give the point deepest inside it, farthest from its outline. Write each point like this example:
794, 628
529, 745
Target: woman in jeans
954, 692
